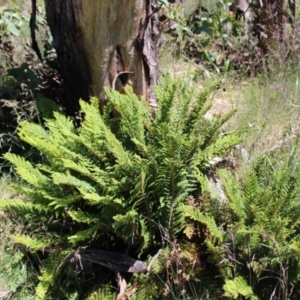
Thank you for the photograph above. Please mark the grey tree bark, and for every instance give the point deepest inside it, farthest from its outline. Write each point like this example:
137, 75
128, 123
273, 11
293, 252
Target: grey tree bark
105, 43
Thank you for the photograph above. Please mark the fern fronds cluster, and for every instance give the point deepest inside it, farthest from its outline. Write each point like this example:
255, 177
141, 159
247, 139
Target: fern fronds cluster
256, 233
117, 177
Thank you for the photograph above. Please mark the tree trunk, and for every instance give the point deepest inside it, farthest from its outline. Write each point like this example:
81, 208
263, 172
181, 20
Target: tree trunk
274, 17
268, 17
104, 43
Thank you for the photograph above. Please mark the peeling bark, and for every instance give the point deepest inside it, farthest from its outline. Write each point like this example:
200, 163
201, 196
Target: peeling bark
99, 43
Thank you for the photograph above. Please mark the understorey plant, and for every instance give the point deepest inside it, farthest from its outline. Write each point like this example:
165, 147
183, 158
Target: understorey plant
114, 183
252, 235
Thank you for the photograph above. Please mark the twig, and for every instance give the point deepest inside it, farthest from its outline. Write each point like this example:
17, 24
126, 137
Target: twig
116, 78
122, 285
281, 142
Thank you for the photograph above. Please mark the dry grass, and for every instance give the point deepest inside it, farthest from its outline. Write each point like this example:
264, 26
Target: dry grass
5, 191
268, 113
268, 107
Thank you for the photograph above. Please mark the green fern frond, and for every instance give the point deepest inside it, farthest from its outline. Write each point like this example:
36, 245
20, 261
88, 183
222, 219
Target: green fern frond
128, 176
217, 148
42, 142
198, 109
206, 219
124, 220
83, 217
34, 244
250, 187
41, 290
69, 180
165, 94
148, 288
28, 191
49, 274
61, 128
91, 137
86, 234
180, 114
131, 111
232, 192
102, 293
95, 199
146, 234
29, 131
295, 246
238, 287
27, 171
59, 199
113, 145
86, 168
22, 207
220, 120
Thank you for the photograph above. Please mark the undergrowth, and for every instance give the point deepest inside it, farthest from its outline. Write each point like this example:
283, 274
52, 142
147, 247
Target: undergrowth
114, 183
253, 236
15, 273
26, 84
150, 180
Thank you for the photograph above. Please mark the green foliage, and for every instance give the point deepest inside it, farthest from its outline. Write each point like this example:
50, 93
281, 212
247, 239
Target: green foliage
102, 293
211, 35
14, 273
125, 177
238, 287
253, 233
174, 275
26, 85
206, 219
49, 274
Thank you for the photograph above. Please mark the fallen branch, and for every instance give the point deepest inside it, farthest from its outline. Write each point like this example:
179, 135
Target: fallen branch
82, 258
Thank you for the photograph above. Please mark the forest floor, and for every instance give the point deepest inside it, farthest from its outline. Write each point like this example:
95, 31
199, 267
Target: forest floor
267, 118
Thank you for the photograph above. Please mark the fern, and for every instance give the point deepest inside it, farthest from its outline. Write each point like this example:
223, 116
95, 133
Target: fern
83, 217
232, 192
84, 235
34, 244
123, 178
205, 219
21, 207
27, 171
261, 221
49, 274
102, 293
238, 287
